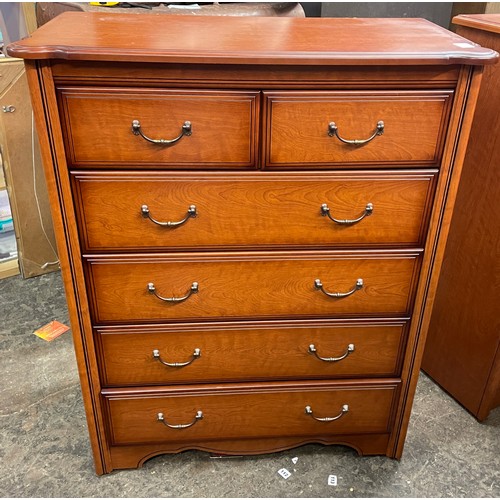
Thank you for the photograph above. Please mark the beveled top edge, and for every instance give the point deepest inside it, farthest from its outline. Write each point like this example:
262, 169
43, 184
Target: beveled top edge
486, 22
248, 40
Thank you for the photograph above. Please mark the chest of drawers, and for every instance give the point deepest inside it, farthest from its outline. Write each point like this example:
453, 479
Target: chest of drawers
251, 214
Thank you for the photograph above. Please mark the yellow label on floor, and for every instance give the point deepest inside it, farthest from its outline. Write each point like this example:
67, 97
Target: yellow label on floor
51, 330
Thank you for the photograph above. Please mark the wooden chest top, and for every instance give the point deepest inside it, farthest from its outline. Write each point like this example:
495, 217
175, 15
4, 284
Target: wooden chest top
248, 40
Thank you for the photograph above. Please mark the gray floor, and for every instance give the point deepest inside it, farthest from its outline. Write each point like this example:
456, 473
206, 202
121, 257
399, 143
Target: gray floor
45, 452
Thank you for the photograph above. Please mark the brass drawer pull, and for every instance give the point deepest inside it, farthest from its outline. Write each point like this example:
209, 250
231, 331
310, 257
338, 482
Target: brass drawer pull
190, 213
185, 130
325, 212
196, 355
198, 416
333, 131
350, 348
309, 411
193, 289
319, 286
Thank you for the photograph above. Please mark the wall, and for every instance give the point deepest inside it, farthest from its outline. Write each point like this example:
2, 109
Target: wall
437, 12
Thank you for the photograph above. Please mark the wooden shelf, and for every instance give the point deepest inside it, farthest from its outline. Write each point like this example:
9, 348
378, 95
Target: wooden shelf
9, 268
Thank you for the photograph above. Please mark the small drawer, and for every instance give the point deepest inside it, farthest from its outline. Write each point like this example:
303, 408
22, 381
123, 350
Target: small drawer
220, 352
236, 411
342, 129
115, 127
122, 211
182, 287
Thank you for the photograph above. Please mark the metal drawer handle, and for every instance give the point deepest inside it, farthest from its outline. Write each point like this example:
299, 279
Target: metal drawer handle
319, 286
333, 131
185, 130
198, 416
325, 212
196, 355
350, 348
309, 411
193, 289
190, 213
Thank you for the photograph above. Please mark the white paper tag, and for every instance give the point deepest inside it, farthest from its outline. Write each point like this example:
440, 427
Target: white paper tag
285, 473
193, 6
332, 480
295, 460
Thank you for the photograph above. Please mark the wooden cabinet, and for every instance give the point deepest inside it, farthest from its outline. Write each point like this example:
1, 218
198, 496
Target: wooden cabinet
462, 352
251, 215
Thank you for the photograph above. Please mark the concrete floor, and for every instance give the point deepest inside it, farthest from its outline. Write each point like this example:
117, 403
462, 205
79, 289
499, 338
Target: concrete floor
45, 452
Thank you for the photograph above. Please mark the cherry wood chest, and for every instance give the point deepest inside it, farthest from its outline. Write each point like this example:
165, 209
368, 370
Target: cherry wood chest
251, 215
462, 351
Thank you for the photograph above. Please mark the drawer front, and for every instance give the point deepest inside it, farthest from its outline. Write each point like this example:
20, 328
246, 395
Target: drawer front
282, 284
299, 132
201, 353
235, 210
264, 411
98, 128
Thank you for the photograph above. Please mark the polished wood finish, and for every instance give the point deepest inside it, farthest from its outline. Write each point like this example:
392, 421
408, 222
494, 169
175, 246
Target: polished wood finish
252, 353
276, 210
482, 22
463, 346
52, 149
98, 127
245, 286
133, 456
258, 290
125, 74
269, 410
297, 124
269, 41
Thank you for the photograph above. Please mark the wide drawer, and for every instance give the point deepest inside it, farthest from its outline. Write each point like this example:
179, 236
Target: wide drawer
341, 129
239, 411
131, 211
98, 127
253, 285
221, 352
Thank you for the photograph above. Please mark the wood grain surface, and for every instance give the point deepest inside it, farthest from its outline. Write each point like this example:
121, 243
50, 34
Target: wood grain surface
298, 133
250, 353
481, 22
462, 351
135, 455
247, 40
235, 76
97, 126
250, 286
262, 412
254, 210
88, 72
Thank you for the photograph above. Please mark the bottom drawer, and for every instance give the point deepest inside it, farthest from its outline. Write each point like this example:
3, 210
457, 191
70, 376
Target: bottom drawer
189, 414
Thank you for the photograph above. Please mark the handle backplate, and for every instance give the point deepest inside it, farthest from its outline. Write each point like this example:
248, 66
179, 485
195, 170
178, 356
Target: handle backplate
194, 289
186, 129
160, 417
338, 295
349, 350
190, 213
325, 212
309, 411
157, 356
333, 131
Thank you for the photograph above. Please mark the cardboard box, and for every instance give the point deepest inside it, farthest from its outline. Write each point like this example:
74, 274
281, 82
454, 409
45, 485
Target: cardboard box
25, 180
